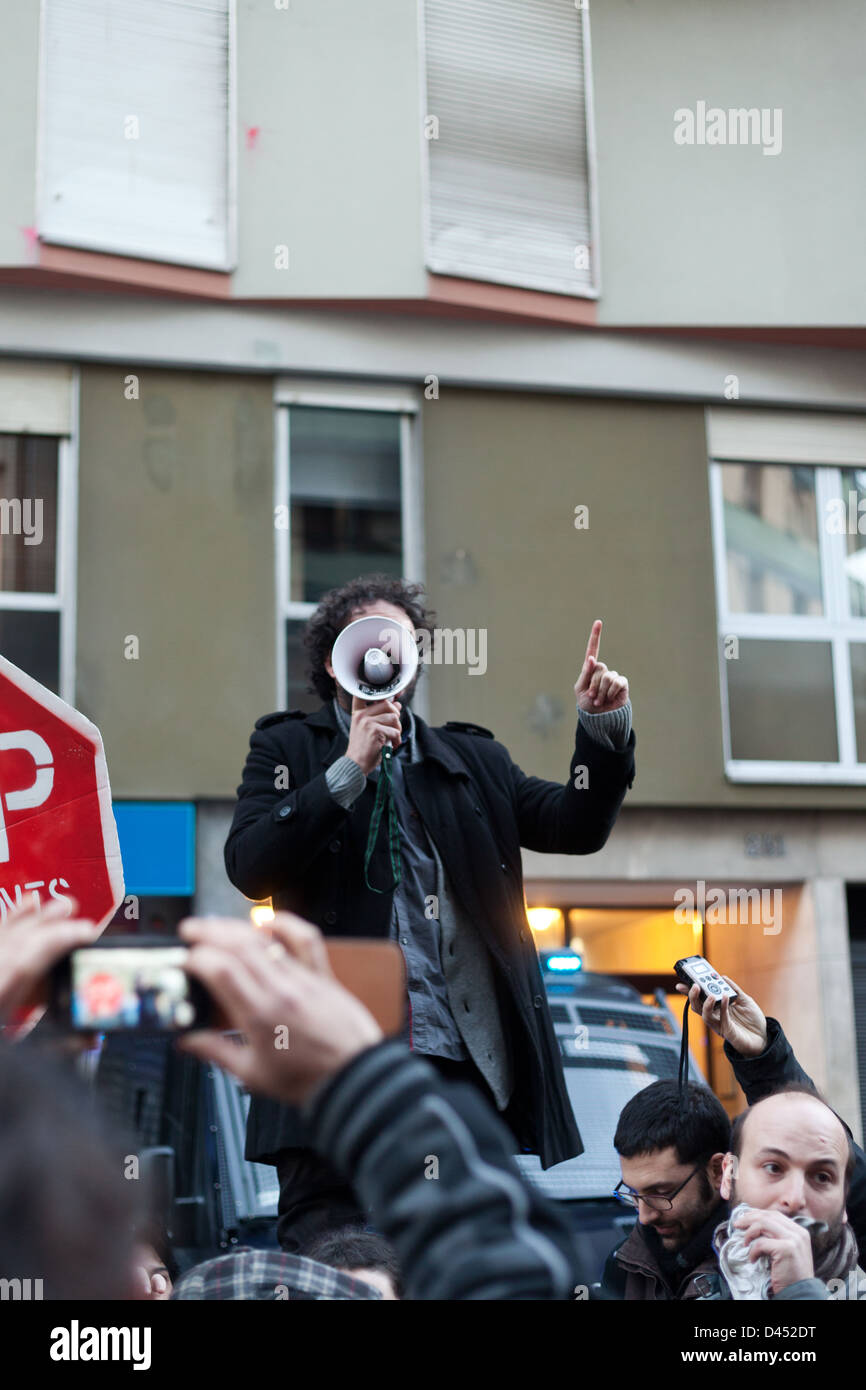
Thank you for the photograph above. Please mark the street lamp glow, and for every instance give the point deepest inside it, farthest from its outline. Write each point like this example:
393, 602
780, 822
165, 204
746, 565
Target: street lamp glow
543, 918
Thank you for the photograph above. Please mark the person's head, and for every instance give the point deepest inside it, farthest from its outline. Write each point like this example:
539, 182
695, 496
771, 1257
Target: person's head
672, 1157
790, 1153
361, 1254
66, 1213
395, 599
155, 1265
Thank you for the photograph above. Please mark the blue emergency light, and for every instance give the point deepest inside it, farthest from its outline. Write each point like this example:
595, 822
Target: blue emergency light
563, 965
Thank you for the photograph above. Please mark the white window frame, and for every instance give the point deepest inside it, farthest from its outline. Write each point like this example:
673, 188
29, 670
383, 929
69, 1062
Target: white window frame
390, 400
434, 267
828, 444
64, 599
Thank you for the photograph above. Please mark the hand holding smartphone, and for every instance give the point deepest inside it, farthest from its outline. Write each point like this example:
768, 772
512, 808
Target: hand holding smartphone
135, 984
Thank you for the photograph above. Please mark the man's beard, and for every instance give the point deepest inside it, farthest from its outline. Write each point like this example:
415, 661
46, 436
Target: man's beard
684, 1234
826, 1237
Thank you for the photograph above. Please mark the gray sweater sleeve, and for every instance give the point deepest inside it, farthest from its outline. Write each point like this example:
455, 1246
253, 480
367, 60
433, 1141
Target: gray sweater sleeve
612, 729
345, 781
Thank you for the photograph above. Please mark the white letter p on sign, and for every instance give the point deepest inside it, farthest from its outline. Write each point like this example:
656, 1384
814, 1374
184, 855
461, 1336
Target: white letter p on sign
39, 789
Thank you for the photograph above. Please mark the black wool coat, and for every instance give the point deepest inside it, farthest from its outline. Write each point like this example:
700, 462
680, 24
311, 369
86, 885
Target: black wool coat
301, 848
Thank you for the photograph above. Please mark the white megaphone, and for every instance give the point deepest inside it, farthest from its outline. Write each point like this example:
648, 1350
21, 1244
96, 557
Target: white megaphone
374, 658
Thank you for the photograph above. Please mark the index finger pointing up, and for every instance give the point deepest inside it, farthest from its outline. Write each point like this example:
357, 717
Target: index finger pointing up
594, 640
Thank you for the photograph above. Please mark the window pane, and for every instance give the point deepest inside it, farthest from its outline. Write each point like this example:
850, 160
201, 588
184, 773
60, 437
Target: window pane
32, 641
28, 514
858, 680
297, 669
345, 498
781, 702
854, 511
771, 537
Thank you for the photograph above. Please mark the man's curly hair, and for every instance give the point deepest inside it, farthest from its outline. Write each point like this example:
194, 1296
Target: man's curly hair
336, 609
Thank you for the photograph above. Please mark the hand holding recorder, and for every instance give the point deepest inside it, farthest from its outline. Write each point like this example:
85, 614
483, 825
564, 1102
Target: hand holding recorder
725, 1008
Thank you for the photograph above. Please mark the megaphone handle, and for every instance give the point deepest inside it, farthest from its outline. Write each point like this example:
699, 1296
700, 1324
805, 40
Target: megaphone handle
384, 796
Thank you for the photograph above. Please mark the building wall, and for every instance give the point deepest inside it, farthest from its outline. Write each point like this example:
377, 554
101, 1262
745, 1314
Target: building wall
503, 475
726, 234
175, 547
334, 171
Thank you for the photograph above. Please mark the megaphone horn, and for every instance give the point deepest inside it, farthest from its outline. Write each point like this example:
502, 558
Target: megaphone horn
374, 658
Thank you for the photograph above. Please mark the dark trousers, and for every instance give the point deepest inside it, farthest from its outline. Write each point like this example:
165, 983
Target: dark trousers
315, 1199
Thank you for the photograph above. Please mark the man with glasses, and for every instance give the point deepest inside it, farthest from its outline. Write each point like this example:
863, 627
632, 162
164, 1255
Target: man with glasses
671, 1155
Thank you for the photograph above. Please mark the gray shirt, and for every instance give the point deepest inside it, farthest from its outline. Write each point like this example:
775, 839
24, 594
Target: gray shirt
430, 1027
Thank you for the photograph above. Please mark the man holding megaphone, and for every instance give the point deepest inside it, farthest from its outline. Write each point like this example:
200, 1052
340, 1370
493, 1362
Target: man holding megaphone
365, 820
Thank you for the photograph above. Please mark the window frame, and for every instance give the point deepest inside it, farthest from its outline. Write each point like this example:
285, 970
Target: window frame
64, 599
829, 446
392, 400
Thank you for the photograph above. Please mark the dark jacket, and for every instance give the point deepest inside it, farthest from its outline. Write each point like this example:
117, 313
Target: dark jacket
305, 851
637, 1270
632, 1270
433, 1164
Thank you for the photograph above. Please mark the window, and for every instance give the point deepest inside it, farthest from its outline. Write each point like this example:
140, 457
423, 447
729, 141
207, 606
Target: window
788, 496
347, 502
508, 136
37, 524
135, 107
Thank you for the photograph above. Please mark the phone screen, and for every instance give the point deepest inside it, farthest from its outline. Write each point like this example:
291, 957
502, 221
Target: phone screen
130, 987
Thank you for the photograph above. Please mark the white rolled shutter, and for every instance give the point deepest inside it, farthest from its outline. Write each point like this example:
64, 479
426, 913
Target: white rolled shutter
509, 172
134, 149
35, 398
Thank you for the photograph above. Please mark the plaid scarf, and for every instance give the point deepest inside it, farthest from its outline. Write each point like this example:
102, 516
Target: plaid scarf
750, 1279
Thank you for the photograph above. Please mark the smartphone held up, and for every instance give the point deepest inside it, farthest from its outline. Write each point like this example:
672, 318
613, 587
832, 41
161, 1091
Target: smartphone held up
125, 984
135, 984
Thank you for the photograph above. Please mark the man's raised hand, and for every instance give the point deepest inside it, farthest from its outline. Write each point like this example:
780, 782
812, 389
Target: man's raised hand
598, 690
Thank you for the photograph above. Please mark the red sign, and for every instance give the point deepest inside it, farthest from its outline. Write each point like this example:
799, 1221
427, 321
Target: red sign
58, 838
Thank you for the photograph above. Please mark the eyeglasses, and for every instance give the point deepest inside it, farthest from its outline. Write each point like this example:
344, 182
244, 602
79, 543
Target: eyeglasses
658, 1203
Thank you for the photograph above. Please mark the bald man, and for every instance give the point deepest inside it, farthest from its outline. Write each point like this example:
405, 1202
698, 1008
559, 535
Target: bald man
790, 1156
